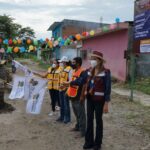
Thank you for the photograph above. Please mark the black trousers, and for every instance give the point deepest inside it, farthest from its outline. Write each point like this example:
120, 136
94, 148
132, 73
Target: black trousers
54, 94
1, 99
97, 108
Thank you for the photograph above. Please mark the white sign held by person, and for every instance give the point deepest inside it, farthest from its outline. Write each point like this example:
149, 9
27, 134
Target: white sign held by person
21, 67
34, 104
18, 88
33, 85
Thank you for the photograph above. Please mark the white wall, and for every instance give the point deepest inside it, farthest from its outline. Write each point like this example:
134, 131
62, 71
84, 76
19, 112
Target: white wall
69, 52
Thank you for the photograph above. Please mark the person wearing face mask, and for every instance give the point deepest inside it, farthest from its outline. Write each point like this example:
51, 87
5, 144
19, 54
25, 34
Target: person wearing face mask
55, 81
98, 95
53, 84
65, 76
74, 92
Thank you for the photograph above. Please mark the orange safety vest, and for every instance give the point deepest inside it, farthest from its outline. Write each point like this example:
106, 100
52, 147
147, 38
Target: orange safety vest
73, 90
64, 76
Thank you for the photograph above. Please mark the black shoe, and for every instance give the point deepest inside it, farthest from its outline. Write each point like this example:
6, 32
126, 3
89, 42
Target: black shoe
66, 121
97, 148
74, 130
87, 146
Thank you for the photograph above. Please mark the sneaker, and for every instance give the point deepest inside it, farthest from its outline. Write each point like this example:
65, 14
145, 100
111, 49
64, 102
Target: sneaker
51, 113
74, 129
57, 108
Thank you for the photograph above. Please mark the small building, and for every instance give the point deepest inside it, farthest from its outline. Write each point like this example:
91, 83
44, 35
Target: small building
114, 44
67, 28
71, 27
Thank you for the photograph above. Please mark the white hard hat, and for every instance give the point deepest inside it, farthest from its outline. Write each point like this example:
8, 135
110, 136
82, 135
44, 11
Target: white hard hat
64, 59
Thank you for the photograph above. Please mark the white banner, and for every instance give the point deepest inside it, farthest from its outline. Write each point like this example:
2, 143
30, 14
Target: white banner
32, 89
19, 65
18, 87
23, 68
34, 104
33, 85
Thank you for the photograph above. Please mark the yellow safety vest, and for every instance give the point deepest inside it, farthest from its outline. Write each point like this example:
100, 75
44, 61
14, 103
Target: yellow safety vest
56, 77
50, 78
64, 76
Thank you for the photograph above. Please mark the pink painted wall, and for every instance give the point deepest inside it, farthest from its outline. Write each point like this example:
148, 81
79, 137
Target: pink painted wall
112, 46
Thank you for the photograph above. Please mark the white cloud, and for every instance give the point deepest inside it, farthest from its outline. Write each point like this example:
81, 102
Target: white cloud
40, 14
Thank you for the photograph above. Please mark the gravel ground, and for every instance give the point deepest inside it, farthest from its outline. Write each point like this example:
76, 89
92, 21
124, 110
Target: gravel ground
126, 127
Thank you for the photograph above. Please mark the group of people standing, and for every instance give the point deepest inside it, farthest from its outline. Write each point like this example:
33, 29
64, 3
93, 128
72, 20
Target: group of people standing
70, 82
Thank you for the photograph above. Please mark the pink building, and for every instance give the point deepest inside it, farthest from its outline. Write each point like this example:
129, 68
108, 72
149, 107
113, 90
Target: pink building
113, 44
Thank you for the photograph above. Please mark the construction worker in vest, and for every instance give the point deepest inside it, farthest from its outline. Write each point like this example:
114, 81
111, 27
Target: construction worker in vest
53, 84
98, 96
74, 92
65, 76
54, 92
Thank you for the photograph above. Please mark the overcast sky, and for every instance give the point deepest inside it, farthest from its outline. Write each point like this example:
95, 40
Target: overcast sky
40, 14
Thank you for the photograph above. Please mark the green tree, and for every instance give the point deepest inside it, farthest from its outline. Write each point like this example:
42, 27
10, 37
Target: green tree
9, 29
26, 32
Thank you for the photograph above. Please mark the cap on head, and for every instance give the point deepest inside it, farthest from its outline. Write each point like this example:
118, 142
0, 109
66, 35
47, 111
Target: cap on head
64, 59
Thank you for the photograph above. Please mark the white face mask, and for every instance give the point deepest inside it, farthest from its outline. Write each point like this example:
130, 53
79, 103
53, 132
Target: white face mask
93, 63
61, 65
53, 65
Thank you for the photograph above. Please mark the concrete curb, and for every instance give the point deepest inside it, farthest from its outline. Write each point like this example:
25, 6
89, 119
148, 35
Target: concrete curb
144, 99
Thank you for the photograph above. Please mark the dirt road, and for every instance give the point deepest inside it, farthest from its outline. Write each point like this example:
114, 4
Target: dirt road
126, 127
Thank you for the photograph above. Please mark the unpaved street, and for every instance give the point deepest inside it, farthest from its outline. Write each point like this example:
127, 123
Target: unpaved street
126, 127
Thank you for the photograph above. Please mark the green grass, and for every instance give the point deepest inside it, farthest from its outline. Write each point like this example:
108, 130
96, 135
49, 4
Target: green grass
43, 65
141, 84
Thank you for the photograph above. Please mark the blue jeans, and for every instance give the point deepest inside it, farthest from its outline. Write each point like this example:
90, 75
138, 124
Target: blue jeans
65, 107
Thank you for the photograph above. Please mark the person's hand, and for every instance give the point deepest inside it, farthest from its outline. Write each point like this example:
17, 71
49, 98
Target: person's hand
105, 109
66, 83
49, 79
82, 99
36, 73
61, 86
55, 79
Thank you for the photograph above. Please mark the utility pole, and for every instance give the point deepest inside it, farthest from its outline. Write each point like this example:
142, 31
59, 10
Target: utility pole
132, 75
101, 22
